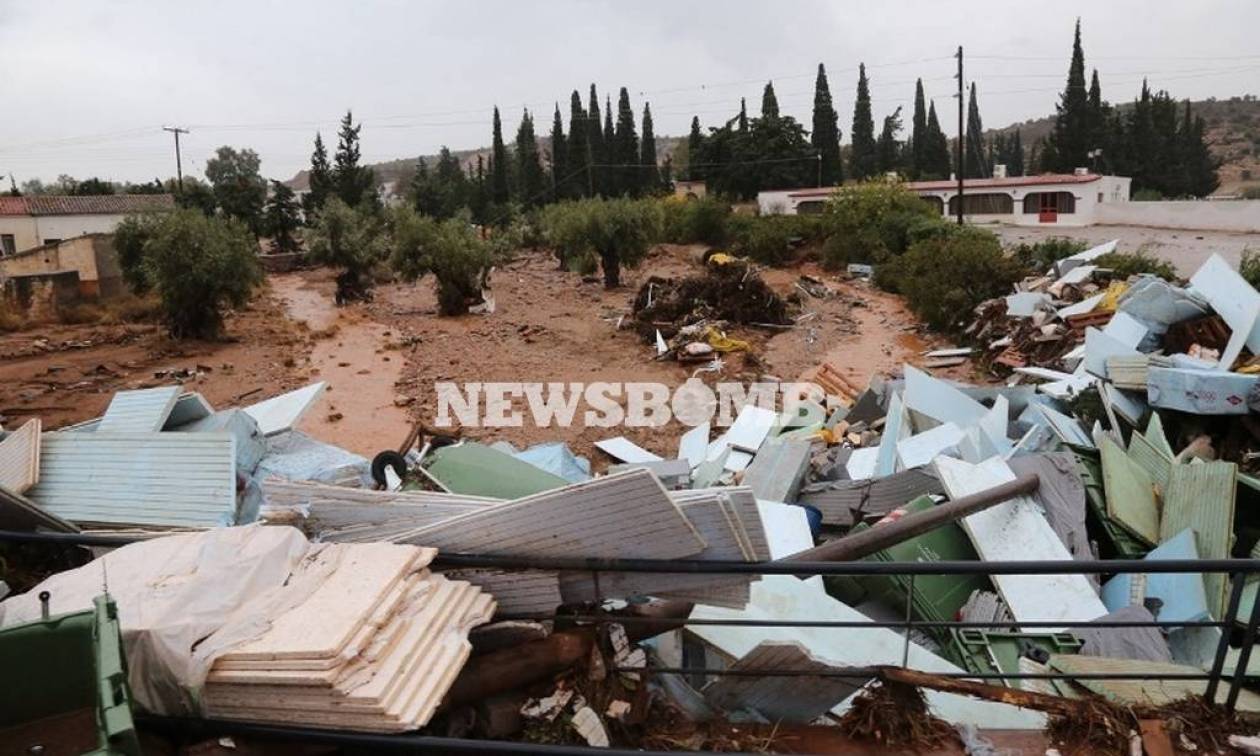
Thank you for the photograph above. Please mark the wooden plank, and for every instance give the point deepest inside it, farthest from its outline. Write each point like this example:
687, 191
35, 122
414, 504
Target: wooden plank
1201, 496
1131, 499
1016, 530
19, 458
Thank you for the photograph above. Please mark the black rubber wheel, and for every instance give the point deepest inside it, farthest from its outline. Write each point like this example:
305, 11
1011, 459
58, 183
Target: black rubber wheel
385, 459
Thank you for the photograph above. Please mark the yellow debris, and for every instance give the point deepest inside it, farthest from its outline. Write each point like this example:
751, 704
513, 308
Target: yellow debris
723, 343
721, 258
1112, 296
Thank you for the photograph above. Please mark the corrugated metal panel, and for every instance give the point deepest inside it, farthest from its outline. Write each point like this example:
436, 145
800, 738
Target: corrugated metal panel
189, 408
1201, 496
19, 458
798, 699
281, 413
157, 479
20, 513
624, 515
1151, 459
140, 411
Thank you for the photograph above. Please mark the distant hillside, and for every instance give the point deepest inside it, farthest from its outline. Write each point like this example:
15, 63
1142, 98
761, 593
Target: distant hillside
1233, 133
402, 168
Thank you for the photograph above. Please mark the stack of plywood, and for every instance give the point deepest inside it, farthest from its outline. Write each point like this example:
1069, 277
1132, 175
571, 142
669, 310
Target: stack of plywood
374, 648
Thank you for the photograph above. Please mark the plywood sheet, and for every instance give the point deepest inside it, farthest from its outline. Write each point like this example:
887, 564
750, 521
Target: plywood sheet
1016, 530
19, 458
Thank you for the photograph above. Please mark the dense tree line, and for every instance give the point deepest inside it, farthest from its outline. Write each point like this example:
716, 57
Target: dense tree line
1156, 141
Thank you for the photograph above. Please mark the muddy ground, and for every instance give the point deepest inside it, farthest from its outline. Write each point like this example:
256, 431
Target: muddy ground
1185, 249
381, 359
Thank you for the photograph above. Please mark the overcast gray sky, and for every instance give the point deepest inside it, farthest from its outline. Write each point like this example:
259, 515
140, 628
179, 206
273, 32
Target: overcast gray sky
89, 84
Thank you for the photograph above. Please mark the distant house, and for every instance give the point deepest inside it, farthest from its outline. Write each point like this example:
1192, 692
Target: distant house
29, 222
690, 189
1067, 199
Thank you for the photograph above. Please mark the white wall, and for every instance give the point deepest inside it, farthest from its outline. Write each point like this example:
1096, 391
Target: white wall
1196, 215
776, 202
70, 226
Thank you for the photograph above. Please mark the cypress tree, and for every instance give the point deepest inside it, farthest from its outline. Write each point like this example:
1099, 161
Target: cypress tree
825, 136
918, 132
610, 150
1015, 160
595, 137
354, 183
938, 162
480, 198
695, 151
559, 157
280, 218
499, 193
320, 181
1069, 142
888, 148
530, 181
863, 156
975, 163
1200, 165
627, 140
743, 115
769, 103
579, 157
651, 182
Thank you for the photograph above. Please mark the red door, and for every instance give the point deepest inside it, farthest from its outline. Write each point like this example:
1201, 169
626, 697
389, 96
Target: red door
1048, 208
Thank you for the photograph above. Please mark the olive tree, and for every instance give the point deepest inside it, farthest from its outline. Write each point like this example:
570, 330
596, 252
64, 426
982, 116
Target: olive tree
620, 231
198, 266
450, 249
350, 239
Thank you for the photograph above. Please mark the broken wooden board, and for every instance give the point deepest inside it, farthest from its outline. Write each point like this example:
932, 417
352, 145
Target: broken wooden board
1016, 530
1152, 692
1131, 501
1201, 496
19, 458
625, 515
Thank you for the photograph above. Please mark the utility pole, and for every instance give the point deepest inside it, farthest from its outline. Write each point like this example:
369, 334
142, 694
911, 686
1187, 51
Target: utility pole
179, 169
820, 170
960, 135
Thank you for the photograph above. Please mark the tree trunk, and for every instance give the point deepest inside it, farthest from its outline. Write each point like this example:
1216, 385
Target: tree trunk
612, 269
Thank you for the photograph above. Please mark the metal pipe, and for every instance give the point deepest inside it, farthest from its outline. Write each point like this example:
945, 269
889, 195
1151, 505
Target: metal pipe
427, 744
630, 622
869, 541
1244, 656
875, 671
1222, 648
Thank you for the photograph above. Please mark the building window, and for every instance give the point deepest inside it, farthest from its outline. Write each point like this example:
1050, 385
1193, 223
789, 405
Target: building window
52, 241
7, 245
1100, 198
983, 204
811, 207
937, 203
1057, 203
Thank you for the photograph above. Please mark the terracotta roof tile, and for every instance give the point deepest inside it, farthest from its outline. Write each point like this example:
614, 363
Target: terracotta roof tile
110, 204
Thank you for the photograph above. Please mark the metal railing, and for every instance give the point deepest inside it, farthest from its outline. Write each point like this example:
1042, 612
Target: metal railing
1237, 570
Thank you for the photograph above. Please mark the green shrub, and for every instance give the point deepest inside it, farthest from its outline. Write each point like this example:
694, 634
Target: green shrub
695, 221
945, 276
1039, 256
871, 222
351, 239
129, 238
1125, 264
1148, 195
769, 239
198, 266
619, 231
451, 250
1249, 267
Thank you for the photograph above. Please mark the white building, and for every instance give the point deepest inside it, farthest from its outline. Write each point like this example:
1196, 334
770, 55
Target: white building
29, 222
1065, 199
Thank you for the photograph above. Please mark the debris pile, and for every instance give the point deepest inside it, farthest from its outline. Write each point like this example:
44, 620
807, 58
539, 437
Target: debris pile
1136, 440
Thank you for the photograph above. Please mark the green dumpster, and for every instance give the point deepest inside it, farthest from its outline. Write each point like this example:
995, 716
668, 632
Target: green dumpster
1115, 540
67, 691
994, 651
937, 598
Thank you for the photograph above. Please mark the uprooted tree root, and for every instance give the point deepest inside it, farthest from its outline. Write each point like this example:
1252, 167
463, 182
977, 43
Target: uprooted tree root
895, 714
1105, 727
